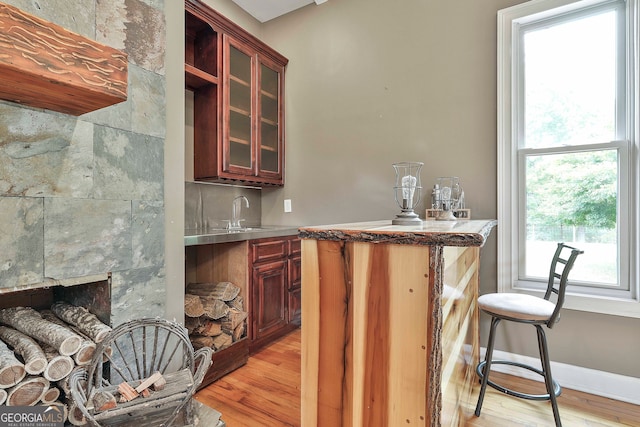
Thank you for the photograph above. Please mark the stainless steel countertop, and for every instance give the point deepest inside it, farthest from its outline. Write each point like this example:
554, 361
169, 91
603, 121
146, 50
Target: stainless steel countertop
220, 235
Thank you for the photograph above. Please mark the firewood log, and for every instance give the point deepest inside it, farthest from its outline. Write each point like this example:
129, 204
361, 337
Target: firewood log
63, 384
193, 306
224, 291
237, 303
199, 341
222, 341
51, 395
83, 319
84, 355
103, 400
58, 366
238, 332
27, 392
232, 319
148, 382
75, 416
30, 351
127, 392
160, 383
209, 328
214, 308
29, 321
192, 323
3, 395
11, 369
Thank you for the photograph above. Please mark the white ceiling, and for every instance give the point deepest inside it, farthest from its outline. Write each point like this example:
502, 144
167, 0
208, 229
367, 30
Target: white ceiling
264, 10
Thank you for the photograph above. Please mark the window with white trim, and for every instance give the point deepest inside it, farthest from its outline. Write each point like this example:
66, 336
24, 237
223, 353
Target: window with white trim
567, 148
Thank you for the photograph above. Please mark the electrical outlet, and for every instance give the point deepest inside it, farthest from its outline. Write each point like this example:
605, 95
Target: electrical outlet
287, 205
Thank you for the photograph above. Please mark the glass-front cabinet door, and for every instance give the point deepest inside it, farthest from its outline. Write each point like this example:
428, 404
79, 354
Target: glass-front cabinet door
238, 153
270, 118
252, 123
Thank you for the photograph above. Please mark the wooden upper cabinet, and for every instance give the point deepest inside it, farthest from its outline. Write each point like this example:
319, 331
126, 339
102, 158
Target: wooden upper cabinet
238, 87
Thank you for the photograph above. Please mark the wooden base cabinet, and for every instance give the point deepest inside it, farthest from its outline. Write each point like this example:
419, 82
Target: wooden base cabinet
390, 332
220, 263
268, 273
274, 289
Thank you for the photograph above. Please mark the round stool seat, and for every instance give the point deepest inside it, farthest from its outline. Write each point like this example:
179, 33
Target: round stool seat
517, 306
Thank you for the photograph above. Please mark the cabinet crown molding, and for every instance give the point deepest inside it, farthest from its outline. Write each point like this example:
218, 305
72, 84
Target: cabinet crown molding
223, 25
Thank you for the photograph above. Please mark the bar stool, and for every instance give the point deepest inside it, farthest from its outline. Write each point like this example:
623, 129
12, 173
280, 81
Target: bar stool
536, 311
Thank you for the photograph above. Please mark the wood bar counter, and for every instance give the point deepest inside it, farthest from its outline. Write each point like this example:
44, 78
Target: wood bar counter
389, 322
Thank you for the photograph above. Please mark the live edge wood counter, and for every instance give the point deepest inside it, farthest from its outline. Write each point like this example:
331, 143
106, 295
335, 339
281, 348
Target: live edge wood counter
389, 322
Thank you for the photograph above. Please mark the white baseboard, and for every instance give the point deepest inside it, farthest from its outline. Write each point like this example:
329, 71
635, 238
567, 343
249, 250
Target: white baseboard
600, 383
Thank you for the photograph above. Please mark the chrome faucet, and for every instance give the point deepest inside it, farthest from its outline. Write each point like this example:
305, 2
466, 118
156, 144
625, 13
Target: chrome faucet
236, 208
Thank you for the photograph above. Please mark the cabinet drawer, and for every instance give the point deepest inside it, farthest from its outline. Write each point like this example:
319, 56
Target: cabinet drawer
266, 250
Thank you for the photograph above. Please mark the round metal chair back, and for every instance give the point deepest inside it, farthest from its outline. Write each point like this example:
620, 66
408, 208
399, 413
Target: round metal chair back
137, 349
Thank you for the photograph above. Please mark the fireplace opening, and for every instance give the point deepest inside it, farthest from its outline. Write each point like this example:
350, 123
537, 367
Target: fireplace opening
95, 296
38, 374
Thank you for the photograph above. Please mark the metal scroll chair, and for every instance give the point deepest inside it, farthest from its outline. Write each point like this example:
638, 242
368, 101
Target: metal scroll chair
133, 352
531, 310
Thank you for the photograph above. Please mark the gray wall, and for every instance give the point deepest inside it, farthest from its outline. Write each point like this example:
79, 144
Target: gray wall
83, 196
372, 82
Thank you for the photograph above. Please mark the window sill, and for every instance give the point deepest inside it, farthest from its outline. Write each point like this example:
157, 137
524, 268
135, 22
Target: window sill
623, 307
603, 305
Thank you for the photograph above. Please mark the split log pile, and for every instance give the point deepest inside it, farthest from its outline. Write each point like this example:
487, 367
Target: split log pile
39, 349
215, 314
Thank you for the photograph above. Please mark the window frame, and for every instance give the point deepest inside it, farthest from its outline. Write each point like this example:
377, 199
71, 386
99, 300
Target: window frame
511, 174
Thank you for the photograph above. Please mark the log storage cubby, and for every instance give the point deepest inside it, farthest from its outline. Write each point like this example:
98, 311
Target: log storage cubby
39, 350
44, 65
218, 275
50, 329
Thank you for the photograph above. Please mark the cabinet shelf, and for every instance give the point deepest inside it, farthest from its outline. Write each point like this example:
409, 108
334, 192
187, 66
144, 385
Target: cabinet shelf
268, 122
239, 111
269, 95
196, 78
240, 141
239, 80
268, 148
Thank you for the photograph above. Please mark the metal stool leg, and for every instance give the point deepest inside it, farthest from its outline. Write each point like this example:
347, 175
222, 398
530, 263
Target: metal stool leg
483, 368
548, 379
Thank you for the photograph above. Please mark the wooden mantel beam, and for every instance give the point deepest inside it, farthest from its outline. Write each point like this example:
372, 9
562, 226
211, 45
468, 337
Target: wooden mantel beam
44, 65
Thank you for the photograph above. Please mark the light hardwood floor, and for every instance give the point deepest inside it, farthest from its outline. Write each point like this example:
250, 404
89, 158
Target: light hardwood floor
266, 393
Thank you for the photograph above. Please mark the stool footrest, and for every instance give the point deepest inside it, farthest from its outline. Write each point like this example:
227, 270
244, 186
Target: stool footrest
480, 371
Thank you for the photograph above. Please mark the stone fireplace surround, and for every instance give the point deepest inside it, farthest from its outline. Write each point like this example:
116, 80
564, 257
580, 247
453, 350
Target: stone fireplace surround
83, 196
